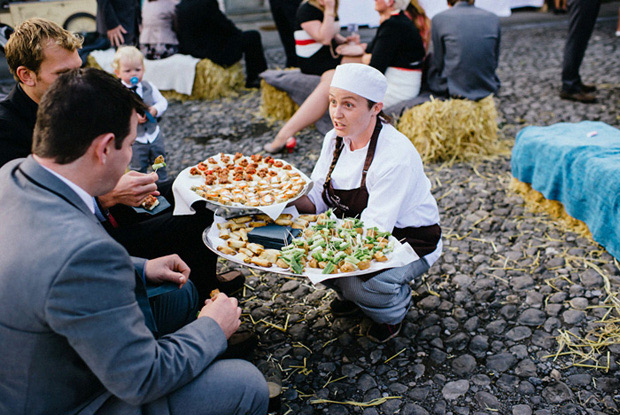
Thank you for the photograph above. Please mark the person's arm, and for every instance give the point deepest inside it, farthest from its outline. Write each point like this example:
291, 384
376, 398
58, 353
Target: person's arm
114, 29
391, 184
92, 303
161, 103
323, 31
222, 23
386, 196
109, 14
169, 268
304, 205
131, 190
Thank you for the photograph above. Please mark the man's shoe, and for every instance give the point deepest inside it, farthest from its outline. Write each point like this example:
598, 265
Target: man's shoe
241, 345
580, 96
252, 83
588, 88
230, 282
382, 332
273, 376
344, 308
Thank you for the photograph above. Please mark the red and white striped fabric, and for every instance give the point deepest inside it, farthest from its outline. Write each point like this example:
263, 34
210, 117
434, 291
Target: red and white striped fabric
305, 45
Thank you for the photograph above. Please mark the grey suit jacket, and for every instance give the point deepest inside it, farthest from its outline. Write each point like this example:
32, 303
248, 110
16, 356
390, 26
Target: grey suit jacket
465, 52
71, 332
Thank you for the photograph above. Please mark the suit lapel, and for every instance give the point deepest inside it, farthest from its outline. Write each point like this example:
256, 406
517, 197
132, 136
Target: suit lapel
45, 180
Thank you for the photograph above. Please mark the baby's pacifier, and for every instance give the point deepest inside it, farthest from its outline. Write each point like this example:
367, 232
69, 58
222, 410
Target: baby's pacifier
134, 80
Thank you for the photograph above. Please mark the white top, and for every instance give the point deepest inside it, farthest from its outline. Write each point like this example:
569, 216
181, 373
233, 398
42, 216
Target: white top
88, 199
157, 17
399, 191
161, 105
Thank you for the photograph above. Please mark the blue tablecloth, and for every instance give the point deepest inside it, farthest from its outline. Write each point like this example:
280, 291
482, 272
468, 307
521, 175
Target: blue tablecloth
579, 166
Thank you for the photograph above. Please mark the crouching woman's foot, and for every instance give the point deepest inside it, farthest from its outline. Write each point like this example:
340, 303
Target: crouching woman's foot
383, 332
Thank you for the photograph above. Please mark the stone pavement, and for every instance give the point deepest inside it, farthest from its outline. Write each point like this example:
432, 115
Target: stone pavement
481, 334
484, 320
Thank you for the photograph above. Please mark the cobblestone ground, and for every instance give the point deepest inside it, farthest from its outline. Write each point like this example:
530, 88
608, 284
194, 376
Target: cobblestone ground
484, 320
486, 317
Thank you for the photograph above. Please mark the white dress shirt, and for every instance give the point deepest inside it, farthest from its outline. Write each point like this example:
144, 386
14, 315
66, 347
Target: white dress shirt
88, 199
399, 191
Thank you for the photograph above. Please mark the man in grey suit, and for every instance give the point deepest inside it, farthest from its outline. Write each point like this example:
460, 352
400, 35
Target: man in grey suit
72, 333
465, 52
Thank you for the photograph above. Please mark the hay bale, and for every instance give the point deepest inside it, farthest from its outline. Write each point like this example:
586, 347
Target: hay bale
211, 81
453, 130
92, 63
276, 105
537, 203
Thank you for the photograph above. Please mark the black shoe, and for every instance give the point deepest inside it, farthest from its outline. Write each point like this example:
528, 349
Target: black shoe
382, 332
252, 83
241, 345
580, 96
587, 88
230, 282
273, 376
344, 308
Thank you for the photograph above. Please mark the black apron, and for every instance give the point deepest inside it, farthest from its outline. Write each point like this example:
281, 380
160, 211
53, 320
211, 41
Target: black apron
351, 203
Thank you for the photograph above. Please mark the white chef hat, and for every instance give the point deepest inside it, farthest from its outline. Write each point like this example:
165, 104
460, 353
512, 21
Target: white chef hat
363, 80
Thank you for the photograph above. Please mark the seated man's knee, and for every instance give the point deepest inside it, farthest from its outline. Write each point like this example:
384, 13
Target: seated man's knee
233, 386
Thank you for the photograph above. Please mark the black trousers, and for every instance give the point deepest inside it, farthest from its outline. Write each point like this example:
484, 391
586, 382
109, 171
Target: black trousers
582, 17
255, 61
284, 14
152, 236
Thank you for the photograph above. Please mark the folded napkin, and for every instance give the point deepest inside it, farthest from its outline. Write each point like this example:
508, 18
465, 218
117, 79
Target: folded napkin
273, 236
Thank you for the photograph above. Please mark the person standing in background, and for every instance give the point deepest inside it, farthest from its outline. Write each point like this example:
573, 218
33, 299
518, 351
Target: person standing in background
582, 17
119, 21
284, 14
204, 31
158, 39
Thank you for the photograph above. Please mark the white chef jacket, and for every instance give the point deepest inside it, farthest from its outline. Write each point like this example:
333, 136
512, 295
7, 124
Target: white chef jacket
399, 191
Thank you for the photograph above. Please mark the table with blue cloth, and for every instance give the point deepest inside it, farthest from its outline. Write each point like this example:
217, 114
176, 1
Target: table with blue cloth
577, 165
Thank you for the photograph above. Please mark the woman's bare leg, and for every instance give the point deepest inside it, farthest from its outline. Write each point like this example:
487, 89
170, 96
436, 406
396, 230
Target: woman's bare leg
310, 111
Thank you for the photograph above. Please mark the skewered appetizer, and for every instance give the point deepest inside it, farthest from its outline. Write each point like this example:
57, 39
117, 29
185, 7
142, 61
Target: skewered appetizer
327, 244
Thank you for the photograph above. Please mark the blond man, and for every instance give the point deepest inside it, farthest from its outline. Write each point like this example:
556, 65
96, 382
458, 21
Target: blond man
36, 53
